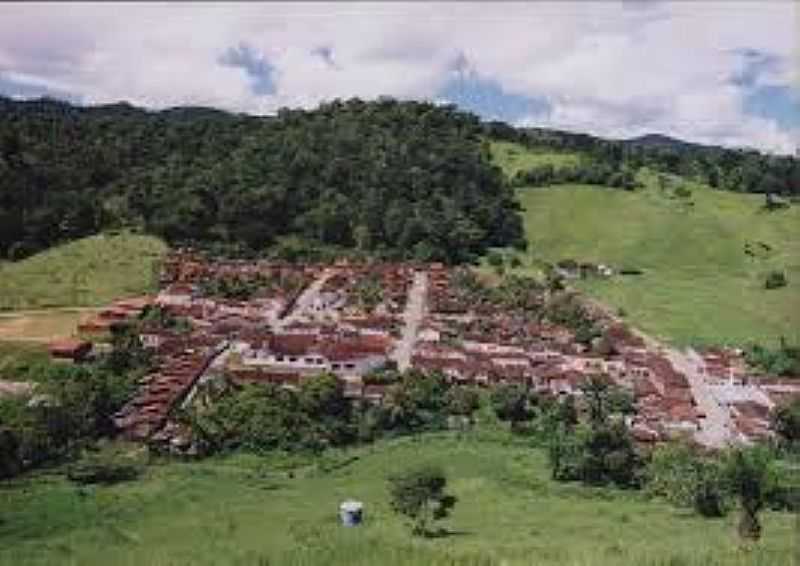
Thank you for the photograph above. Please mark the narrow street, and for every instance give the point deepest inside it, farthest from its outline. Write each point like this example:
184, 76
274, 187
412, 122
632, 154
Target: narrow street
304, 301
715, 428
413, 315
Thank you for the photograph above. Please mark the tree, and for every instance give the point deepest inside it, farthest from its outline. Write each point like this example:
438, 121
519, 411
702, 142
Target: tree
749, 474
510, 403
419, 494
786, 422
684, 478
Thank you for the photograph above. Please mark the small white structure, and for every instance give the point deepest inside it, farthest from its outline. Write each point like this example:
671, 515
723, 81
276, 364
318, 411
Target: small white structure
351, 513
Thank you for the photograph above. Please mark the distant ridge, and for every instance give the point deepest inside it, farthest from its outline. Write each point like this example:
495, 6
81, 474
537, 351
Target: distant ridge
661, 140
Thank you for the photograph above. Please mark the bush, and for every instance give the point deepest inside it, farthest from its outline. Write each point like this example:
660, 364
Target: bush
685, 479
419, 494
106, 467
775, 280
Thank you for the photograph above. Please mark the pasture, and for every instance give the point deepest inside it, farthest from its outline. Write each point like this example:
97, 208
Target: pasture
87, 272
282, 510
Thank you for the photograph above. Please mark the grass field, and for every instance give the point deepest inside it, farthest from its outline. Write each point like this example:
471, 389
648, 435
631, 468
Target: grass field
91, 271
246, 510
699, 285
512, 157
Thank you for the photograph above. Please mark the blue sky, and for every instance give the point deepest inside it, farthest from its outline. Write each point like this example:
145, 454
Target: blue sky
720, 72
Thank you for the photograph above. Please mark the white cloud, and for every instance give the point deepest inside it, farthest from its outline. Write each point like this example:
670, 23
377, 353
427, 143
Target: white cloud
605, 67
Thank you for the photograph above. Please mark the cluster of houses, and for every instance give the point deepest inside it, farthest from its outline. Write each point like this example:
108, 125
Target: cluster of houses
348, 319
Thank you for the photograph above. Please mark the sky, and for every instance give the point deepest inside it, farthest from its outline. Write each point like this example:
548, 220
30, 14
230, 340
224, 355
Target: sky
723, 72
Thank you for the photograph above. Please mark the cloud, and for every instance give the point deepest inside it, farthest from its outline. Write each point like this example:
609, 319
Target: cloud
689, 69
258, 69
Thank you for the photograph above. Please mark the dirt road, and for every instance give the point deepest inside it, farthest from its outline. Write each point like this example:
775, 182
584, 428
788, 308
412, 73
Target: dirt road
413, 315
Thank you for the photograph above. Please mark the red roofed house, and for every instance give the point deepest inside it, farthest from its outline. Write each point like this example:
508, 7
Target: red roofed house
71, 350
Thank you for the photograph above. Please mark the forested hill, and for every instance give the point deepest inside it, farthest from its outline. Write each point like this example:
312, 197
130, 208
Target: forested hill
403, 178
739, 170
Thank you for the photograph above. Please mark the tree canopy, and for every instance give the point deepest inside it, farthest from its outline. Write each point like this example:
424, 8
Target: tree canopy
409, 177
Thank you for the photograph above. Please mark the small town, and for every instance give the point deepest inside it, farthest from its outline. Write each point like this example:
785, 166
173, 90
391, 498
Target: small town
399, 283
355, 320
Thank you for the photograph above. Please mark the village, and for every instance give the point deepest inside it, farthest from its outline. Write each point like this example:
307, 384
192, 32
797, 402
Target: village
276, 322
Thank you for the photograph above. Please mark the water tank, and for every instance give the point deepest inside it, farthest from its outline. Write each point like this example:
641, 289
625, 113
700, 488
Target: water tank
351, 513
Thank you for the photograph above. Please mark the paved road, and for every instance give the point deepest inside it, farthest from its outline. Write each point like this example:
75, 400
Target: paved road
716, 430
304, 301
413, 315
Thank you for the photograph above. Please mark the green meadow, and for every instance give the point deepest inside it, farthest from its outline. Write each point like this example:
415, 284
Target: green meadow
698, 284
278, 510
87, 272
512, 157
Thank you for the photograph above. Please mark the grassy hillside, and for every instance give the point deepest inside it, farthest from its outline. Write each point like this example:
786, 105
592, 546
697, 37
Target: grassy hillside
249, 511
90, 271
512, 157
698, 285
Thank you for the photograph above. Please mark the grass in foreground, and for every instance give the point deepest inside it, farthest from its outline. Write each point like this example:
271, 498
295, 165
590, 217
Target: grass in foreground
90, 271
246, 510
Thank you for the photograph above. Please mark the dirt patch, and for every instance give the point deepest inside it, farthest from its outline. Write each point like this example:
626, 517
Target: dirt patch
39, 327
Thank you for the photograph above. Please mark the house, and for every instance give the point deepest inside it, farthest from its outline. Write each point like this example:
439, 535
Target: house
71, 350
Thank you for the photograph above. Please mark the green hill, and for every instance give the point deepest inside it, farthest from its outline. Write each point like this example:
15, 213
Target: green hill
402, 179
249, 510
86, 272
704, 257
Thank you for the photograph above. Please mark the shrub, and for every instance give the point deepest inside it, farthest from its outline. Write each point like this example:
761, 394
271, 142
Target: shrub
775, 280
419, 494
685, 479
108, 466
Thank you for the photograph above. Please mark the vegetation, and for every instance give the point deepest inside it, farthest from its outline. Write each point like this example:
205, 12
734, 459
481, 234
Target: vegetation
71, 406
407, 177
749, 475
600, 451
697, 283
90, 271
679, 475
419, 494
747, 171
786, 422
280, 509
783, 360
775, 280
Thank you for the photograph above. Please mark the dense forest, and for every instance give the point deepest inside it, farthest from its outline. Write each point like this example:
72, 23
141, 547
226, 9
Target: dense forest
406, 178
397, 179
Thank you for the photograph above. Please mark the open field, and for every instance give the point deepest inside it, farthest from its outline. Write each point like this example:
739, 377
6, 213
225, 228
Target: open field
699, 285
91, 271
513, 157
246, 510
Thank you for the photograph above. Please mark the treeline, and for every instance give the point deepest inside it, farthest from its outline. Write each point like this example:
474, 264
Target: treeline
590, 173
404, 178
739, 170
